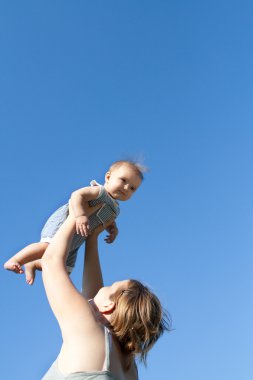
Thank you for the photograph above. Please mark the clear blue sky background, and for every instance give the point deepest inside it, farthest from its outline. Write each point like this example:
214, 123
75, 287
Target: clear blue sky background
84, 83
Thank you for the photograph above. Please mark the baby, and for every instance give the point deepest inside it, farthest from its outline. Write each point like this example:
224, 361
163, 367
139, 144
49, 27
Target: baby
121, 181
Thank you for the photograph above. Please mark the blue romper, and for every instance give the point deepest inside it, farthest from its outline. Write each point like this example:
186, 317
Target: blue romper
55, 374
110, 210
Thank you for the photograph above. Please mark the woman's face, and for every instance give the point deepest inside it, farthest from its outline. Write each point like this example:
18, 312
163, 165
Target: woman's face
107, 294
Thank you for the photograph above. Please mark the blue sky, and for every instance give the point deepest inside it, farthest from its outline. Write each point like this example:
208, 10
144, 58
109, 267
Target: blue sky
84, 83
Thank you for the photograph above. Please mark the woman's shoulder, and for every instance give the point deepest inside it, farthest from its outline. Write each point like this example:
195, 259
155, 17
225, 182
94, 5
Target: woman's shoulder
119, 363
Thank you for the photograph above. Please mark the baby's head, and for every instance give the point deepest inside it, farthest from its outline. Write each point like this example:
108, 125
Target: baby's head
123, 179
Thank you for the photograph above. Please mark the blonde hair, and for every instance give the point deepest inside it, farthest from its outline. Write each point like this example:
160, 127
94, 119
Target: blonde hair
138, 320
136, 166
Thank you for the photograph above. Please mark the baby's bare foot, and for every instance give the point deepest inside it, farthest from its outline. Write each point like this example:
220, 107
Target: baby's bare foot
13, 266
30, 270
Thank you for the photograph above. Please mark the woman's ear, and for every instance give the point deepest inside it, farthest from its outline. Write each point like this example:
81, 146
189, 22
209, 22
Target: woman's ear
107, 307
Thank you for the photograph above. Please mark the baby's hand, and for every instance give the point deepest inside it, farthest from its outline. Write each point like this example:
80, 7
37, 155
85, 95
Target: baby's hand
113, 231
82, 225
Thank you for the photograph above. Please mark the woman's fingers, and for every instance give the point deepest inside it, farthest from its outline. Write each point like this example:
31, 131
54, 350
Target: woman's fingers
102, 227
82, 229
107, 224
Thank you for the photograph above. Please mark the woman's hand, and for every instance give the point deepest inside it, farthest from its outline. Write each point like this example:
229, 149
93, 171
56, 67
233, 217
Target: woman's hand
82, 221
113, 231
95, 233
82, 225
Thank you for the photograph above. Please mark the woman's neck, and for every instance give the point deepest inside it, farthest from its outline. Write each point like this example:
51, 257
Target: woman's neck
98, 315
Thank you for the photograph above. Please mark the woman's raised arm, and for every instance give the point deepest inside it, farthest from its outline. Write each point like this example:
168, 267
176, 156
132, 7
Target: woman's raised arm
64, 298
92, 274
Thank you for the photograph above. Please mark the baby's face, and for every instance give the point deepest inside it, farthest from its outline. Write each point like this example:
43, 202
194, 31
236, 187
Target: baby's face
121, 182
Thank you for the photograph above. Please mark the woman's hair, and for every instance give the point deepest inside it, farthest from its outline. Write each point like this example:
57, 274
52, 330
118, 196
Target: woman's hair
138, 320
136, 166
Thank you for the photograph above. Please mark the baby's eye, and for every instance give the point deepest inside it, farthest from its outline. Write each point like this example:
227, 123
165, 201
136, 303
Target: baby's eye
123, 180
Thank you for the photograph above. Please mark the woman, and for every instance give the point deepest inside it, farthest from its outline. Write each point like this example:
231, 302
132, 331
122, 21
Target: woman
104, 328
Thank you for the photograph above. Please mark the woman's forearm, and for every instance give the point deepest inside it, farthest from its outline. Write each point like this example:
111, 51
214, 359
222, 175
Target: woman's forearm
62, 295
92, 274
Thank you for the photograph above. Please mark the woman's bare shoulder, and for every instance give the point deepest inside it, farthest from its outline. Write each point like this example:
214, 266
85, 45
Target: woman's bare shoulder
118, 364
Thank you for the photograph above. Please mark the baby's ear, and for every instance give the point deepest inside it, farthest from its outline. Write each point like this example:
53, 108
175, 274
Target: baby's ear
107, 176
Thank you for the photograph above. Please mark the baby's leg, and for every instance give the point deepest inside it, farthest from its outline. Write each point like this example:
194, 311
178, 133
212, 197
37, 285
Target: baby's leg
29, 253
30, 270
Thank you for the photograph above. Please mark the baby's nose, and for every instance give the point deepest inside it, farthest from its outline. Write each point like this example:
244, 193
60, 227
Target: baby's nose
126, 186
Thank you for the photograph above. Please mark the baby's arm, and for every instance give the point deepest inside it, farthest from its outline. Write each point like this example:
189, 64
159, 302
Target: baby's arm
79, 202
